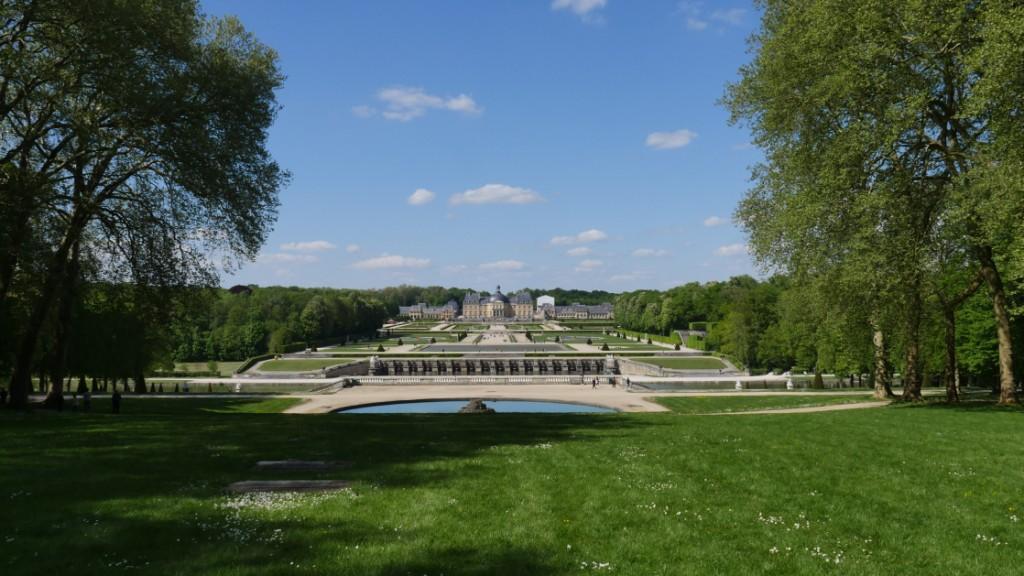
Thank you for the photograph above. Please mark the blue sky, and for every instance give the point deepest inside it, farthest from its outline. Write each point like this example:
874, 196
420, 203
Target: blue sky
541, 143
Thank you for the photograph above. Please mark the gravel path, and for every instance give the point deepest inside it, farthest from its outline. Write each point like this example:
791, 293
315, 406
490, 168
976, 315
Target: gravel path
804, 409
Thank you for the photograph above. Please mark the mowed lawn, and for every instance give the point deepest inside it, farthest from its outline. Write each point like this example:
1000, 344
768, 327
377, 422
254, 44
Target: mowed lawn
685, 362
726, 404
301, 364
897, 490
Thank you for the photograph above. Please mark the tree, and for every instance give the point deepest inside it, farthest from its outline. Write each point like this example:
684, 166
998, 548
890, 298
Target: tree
314, 319
154, 151
882, 139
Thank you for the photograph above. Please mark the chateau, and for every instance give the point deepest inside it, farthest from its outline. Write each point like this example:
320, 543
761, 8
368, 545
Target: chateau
517, 307
497, 305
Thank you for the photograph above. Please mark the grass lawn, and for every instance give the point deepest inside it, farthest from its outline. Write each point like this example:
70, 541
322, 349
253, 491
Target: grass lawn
225, 368
301, 364
722, 404
899, 490
685, 363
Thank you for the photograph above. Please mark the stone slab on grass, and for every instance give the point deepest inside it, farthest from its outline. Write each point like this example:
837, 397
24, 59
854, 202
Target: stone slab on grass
287, 486
302, 464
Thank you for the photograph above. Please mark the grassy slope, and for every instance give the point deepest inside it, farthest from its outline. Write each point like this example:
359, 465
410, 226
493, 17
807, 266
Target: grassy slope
898, 490
717, 404
301, 364
685, 363
225, 368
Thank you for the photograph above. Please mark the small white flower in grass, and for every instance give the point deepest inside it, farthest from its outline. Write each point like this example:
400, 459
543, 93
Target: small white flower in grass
773, 550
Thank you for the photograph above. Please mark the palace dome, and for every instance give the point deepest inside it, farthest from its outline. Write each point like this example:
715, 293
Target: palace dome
498, 296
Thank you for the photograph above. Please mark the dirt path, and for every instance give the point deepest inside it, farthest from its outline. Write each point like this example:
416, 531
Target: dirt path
804, 409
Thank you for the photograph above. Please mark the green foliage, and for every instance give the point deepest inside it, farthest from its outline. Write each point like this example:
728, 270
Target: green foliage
272, 319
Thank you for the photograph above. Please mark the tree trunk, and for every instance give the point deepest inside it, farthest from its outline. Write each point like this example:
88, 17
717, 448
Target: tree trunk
1007, 390
912, 373
949, 375
21, 379
883, 385
63, 331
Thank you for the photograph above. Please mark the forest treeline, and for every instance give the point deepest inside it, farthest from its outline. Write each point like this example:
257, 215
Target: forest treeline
778, 324
259, 320
125, 330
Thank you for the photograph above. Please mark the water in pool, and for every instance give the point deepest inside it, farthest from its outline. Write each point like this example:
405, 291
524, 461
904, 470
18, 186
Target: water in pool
453, 406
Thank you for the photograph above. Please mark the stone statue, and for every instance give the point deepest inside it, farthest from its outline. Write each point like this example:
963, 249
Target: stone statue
476, 406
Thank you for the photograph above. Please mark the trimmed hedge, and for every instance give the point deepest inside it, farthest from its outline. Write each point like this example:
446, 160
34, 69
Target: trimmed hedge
183, 374
671, 339
250, 362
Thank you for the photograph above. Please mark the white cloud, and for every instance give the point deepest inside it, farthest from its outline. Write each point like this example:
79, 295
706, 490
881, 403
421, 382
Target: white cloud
694, 23
670, 140
579, 7
731, 16
589, 265
363, 111
286, 257
497, 194
391, 261
313, 246
580, 251
421, 196
404, 103
352, 248
592, 235
712, 221
644, 252
502, 265
455, 268
697, 19
731, 249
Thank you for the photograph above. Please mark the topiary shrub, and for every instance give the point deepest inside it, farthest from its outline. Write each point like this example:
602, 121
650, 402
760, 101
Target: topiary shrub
380, 347
677, 346
400, 343
649, 341
604, 347
590, 342
558, 338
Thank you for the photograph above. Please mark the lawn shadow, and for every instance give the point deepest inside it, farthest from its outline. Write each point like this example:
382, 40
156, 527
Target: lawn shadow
156, 475
972, 403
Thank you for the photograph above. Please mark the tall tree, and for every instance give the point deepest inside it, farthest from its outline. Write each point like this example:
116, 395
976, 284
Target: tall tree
872, 126
156, 154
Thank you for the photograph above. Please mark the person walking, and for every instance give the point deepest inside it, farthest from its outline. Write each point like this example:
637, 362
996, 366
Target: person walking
627, 383
115, 401
86, 401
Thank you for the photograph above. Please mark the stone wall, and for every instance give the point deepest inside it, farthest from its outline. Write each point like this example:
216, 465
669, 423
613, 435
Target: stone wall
357, 368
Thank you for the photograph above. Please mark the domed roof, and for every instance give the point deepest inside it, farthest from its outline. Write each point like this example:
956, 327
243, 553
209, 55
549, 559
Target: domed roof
498, 296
